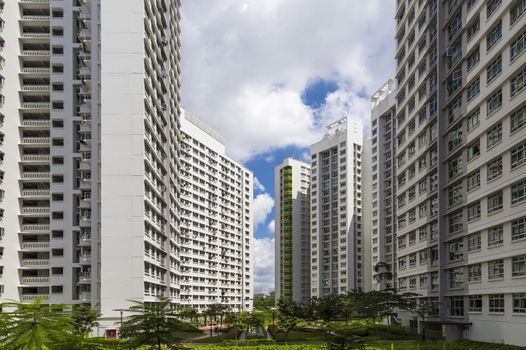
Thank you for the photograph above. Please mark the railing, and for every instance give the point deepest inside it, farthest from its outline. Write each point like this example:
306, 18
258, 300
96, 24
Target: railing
35, 262
35, 88
35, 140
35, 157
35, 52
36, 123
36, 35
35, 227
35, 245
36, 105
31, 297
35, 176
35, 210
35, 280
35, 18
84, 296
35, 193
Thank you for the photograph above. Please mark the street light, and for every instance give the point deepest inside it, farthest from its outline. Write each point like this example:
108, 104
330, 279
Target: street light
121, 311
273, 314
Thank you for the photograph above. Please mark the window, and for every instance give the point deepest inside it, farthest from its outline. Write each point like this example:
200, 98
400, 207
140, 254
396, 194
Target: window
455, 222
495, 236
474, 211
517, 46
456, 306
435, 282
474, 180
412, 239
518, 266
473, 59
495, 270
517, 10
474, 242
473, 89
412, 283
517, 83
422, 255
475, 303
455, 194
422, 187
494, 69
474, 273
455, 167
518, 229
423, 280
518, 192
412, 260
496, 302
473, 150
494, 102
454, 139
456, 278
456, 250
494, 135
518, 120
518, 156
474, 120
401, 263
473, 29
491, 6
494, 36
494, 169
519, 303
495, 202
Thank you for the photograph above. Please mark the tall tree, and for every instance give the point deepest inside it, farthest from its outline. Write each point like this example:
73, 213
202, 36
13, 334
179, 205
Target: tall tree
85, 318
287, 319
152, 324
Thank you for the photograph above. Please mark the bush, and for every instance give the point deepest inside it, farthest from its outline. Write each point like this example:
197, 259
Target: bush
248, 342
346, 343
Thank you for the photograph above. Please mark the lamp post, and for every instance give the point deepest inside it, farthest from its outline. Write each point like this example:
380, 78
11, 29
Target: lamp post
273, 314
120, 326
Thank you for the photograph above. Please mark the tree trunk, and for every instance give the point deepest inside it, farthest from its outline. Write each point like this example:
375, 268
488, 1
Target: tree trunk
159, 343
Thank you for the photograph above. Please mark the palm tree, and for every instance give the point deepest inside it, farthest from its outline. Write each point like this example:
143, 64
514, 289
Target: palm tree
34, 326
152, 324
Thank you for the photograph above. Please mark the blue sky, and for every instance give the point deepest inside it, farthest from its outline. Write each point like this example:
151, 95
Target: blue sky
268, 75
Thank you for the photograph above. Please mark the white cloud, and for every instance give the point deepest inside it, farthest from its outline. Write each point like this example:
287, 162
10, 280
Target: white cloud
258, 185
263, 257
263, 204
271, 227
245, 65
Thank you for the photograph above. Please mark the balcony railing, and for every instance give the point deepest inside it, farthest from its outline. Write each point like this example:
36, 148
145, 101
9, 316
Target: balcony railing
35, 280
35, 158
35, 176
35, 262
35, 140
35, 228
35, 245
35, 210
31, 297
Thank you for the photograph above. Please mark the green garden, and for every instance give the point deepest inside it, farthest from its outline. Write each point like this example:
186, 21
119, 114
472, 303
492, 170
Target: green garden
352, 321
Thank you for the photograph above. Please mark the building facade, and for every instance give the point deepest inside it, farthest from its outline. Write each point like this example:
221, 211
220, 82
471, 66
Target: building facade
383, 210
90, 152
337, 234
292, 230
460, 154
216, 227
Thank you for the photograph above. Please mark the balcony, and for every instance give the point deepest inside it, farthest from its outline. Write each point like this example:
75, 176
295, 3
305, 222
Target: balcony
35, 140
35, 280
36, 158
36, 36
85, 240
85, 277
35, 88
85, 259
35, 245
37, 176
31, 297
35, 211
35, 262
35, 53
85, 296
35, 228
35, 18
36, 124
36, 105
35, 193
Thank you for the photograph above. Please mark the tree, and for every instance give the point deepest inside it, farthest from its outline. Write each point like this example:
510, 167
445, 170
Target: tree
152, 324
383, 272
287, 319
328, 307
34, 326
84, 319
425, 307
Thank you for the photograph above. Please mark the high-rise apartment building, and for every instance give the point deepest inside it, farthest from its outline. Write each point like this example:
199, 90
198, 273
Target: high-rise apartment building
337, 234
292, 230
383, 209
216, 222
460, 155
89, 149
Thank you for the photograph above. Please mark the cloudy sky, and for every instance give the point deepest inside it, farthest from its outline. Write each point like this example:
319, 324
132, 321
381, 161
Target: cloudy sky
269, 74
